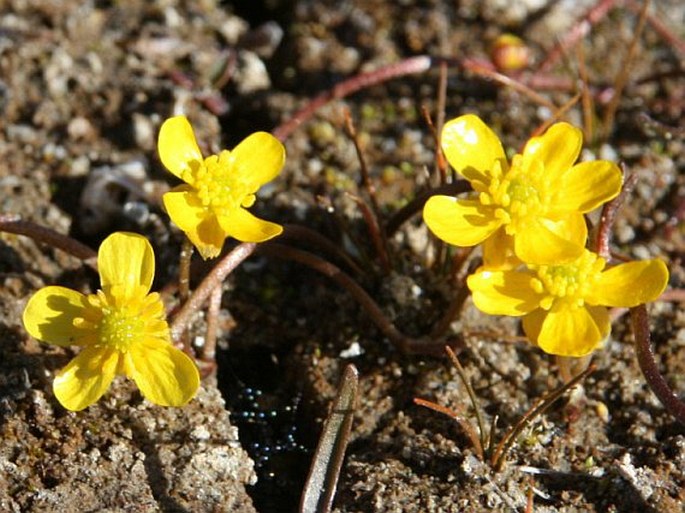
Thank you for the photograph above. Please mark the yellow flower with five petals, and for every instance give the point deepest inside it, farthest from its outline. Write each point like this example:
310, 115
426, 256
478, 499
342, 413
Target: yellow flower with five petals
212, 203
564, 306
122, 329
532, 208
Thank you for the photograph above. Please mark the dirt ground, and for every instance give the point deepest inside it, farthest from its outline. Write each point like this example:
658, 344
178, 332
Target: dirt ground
84, 87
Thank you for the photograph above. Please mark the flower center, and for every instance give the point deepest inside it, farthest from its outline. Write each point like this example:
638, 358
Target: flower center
568, 283
218, 186
515, 194
120, 325
119, 328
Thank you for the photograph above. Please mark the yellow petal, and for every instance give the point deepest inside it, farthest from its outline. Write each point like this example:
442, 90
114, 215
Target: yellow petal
503, 292
586, 186
245, 227
548, 242
472, 148
177, 145
532, 324
631, 284
49, 315
498, 252
460, 222
126, 264
165, 375
558, 149
83, 381
571, 331
198, 223
257, 159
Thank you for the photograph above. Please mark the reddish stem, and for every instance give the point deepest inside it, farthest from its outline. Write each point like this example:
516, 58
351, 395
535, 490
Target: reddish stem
208, 352
603, 240
660, 28
14, 224
375, 232
403, 342
214, 279
645, 357
577, 32
356, 83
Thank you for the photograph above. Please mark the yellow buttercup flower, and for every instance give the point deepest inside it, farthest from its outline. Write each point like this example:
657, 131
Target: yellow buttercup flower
212, 203
532, 208
122, 329
564, 306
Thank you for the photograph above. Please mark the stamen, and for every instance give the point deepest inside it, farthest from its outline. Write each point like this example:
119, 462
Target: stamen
570, 282
218, 187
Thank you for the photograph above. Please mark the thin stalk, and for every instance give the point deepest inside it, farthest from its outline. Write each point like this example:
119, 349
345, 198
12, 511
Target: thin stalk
343, 223
209, 348
578, 31
184, 269
440, 161
324, 267
586, 98
491, 435
184, 285
307, 235
623, 74
457, 277
216, 276
453, 309
11, 223
483, 70
459, 417
609, 210
410, 66
472, 394
440, 122
375, 232
371, 215
650, 370
366, 182
556, 115
322, 481
403, 342
660, 28
538, 408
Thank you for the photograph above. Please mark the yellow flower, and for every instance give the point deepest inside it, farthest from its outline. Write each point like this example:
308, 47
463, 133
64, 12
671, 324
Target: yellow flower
122, 329
564, 306
534, 206
212, 203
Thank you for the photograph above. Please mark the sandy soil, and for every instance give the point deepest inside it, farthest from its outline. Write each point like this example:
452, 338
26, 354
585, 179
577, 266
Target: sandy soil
84, 87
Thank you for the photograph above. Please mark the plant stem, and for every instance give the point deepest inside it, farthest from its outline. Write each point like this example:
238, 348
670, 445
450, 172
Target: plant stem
537, 409
412, 65
460, 419
623, 74
472, 395
577, 32
302, 233
184, 285
375, 232
209, 348
603, 239
217, 275
645, 357
403, 342
11, 223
